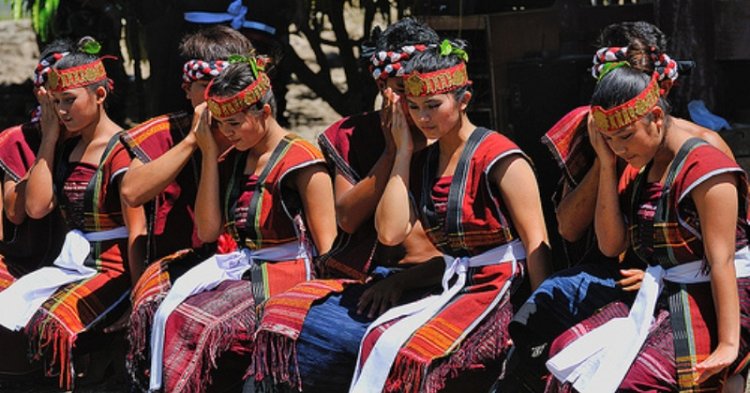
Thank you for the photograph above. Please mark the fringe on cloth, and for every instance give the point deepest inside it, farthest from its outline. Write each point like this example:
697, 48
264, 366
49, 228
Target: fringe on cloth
148, 294
489, 342
274, 362
215, 340
138, 359
52, 333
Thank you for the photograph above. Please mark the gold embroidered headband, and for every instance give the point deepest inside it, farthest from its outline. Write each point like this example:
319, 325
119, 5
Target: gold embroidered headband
78, 76
222, 108
436, 82
625, 114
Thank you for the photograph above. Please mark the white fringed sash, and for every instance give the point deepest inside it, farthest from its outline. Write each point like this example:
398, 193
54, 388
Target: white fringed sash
372, 375
598, 361
22, 299
203, 277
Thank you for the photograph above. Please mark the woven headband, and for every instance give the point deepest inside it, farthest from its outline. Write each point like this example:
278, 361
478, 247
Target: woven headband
664, 66
78, 76
436, 82
196, 69
623, 115
223, 107
386, 64
44, 66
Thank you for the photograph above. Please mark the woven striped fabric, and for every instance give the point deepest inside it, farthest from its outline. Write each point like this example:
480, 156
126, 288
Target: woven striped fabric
462, 216
281, 324
664, 229
568, 142
148, 293
172, 213
351, 148
217, 326
91, 202
204, 329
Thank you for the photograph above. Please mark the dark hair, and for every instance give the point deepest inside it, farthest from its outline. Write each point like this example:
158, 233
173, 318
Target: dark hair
407, 31
57, 46
621, 85
78, 57
641, 38
431, 60
236, 78
215, 43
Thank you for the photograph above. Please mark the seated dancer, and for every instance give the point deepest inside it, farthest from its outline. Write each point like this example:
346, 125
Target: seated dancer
165, 172
64, 306
26, 244
573, 294
681, 208
272, 193
331, 315
475, 193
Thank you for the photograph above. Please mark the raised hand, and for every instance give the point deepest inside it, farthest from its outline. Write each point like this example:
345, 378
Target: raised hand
49, 121
386, 118
203, 135
399, 125
603, 151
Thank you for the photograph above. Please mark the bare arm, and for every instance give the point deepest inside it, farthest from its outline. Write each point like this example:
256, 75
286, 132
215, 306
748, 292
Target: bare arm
716, 202
207, 204
14, 195
394, 217
355, 203
135, 220
575, 213
314, 187
40, 198
143, 182
517, 184
608, 222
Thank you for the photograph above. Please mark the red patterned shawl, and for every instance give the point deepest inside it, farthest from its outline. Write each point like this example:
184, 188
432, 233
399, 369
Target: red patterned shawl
173, 215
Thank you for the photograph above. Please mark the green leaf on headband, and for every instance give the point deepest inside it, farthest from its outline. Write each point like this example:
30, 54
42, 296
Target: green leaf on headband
446, 48
91, 47
237, 59
245, 59
609, 67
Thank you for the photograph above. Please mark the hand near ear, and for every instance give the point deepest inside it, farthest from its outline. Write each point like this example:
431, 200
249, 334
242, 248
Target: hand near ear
203, 134
50, 122
399, 126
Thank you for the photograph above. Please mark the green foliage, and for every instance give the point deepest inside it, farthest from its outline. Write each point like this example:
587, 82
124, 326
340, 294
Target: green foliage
42, 14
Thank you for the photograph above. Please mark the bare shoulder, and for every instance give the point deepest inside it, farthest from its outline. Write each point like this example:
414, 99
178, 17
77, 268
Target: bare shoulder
704, 133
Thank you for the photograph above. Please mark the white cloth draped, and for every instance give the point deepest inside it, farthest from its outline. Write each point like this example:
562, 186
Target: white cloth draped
206, 276
599, 360
372, 375
22, 299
